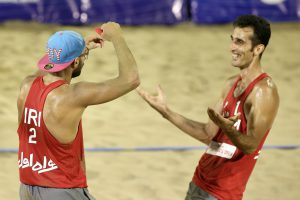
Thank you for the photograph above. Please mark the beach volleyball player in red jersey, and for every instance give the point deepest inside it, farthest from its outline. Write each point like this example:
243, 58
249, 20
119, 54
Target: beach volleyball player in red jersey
51, 153
239, 123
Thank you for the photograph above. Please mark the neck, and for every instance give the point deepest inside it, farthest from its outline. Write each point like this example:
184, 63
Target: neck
249, 73
65, 75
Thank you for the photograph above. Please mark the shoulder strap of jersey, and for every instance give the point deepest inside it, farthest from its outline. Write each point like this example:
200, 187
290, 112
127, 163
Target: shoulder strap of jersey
49, 88
252, 84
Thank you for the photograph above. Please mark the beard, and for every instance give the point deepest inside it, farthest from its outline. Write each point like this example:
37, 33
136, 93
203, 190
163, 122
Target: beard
77, 71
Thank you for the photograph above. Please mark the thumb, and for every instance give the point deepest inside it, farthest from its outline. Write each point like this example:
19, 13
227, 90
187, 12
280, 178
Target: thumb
160, 91
235, 117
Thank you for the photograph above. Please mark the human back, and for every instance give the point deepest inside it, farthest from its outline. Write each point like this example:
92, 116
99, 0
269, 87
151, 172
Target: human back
65, 105
41, 156
59, 115
50, 108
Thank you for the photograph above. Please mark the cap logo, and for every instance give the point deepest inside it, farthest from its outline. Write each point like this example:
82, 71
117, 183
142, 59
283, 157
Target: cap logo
48, 66
54, 52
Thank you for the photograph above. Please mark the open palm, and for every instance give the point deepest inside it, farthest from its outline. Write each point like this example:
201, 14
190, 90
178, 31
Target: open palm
158, 102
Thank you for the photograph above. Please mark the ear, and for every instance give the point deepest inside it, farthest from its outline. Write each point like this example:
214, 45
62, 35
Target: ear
259, 49
75, 63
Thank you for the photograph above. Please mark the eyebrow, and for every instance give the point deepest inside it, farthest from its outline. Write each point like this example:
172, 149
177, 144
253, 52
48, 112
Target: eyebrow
238, 39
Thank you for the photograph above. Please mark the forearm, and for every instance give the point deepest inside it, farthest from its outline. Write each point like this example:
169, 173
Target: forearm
127, 64
197, 130
242, 141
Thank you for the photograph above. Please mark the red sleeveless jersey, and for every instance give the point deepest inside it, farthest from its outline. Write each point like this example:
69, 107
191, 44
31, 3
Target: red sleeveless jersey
44, 161
224, 170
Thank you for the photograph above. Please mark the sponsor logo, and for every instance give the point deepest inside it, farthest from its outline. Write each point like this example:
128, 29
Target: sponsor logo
221, 149
45, 166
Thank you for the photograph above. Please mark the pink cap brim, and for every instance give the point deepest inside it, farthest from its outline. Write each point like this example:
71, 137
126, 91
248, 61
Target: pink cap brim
44, 62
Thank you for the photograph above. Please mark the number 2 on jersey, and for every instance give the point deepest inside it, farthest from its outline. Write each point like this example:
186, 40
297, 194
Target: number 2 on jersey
32, 136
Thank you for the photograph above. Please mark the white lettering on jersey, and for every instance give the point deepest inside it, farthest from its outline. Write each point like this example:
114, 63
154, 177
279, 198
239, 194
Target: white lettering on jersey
237, 124
255, 158
237, 107
47, 165
221, 149
32, 116
225, 113
32, 136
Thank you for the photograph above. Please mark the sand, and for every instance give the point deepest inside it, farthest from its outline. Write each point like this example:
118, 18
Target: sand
191, 63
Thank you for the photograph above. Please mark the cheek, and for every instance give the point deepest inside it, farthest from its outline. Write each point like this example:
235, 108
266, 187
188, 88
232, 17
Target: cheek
249, 54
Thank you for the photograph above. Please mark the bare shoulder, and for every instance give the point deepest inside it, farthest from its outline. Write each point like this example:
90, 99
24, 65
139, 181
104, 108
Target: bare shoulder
23, 93
65, 96
62, 94
265, 92
25, 85
267, 87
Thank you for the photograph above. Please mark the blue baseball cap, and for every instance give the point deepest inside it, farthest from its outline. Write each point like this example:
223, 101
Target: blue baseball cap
63, 48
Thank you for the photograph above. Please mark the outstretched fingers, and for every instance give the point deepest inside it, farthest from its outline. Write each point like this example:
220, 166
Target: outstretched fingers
219, 120
160, 92
144, 94
214, 116
235, 118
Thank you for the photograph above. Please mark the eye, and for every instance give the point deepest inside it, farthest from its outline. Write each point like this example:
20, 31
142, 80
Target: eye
239, 41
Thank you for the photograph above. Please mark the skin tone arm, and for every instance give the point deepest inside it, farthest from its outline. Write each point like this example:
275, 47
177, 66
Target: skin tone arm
67, 103
73, 99
88, 93
203, 132
260, 109
92, 43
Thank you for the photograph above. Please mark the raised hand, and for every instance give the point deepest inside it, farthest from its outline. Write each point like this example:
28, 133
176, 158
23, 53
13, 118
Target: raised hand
111, 31
93, 42
158, 102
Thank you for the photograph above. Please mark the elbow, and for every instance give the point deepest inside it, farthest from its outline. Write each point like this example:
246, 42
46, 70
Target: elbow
130, 80
131, 83
134, 81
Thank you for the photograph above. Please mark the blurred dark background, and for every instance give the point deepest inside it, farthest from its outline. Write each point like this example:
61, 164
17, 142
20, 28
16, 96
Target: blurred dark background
145, 12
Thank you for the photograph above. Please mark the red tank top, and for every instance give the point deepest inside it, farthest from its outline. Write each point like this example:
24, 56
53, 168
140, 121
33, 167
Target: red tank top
225, 170
44, 161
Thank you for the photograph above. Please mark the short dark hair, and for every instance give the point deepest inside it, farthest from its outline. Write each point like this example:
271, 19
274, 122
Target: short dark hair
261, 28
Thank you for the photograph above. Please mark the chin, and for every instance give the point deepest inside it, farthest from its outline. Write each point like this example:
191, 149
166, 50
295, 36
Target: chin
235, 65
238, 65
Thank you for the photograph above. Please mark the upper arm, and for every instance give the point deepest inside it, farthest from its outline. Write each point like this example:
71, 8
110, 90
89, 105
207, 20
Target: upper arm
264, 103
88, 93
24, 89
